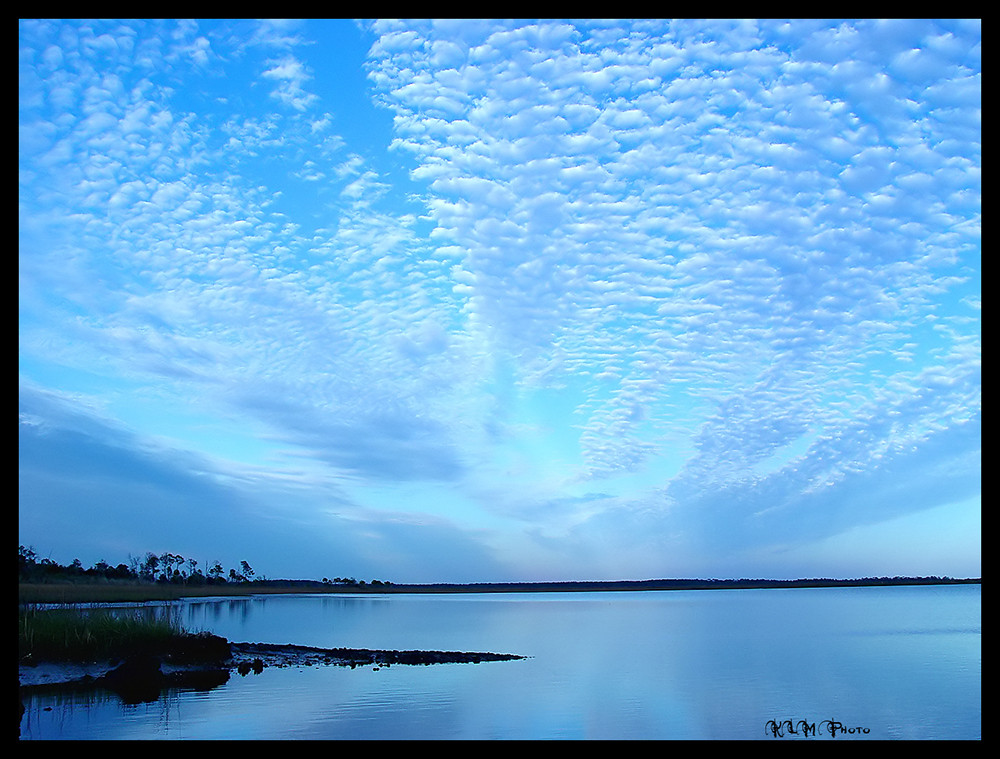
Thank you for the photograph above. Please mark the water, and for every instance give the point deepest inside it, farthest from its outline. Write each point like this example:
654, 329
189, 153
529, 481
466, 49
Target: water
886, 663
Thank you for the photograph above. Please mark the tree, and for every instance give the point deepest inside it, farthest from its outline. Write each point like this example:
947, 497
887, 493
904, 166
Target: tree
216, 572
171, 563
247, 571
135, 565
163, 568
150, 565
123, 572
27, 567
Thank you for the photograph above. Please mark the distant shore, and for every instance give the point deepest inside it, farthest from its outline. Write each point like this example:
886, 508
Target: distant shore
95, 592
677, 584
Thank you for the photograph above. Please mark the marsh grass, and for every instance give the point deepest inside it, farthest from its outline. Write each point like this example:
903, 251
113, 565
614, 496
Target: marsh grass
79, 593
85, 634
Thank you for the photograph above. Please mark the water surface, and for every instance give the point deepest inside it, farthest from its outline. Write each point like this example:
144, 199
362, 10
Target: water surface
888, 662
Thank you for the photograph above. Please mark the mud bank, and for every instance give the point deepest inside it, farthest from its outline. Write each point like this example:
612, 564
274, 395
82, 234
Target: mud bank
205, 661
290, 655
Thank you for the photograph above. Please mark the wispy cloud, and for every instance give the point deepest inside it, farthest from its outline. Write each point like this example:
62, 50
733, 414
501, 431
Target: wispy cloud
603, 273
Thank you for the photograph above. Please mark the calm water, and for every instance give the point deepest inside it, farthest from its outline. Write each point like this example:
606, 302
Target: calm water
901, 663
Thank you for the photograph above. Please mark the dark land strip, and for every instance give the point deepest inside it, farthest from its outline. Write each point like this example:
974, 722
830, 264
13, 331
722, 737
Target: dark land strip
633, 585
77, 592
204, 661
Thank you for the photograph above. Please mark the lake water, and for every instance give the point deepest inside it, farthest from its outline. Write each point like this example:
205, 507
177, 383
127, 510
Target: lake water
883, 663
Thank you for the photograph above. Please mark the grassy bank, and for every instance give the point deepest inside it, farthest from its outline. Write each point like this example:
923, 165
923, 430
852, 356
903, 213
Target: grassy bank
78, 593
125, 592
77, 635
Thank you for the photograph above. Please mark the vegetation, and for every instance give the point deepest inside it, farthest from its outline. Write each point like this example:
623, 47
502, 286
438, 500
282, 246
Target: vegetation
75, 634
165, 576
80, 633
170, 576
675, 584
164, 568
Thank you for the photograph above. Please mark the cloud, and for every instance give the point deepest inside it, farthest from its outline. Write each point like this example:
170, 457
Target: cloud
380, 441
509, 223
135, 497
139, 495
290, 75
742, 252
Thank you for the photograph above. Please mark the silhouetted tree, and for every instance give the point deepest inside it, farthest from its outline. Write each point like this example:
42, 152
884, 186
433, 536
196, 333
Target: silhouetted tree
216, 572
247, 571
150, 565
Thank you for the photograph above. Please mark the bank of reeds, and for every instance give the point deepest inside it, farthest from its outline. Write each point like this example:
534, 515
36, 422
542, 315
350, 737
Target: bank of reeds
89, 634
83, 592
127, 592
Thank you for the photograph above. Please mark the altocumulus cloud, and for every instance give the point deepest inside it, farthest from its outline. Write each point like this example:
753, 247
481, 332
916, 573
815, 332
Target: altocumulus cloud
547, 297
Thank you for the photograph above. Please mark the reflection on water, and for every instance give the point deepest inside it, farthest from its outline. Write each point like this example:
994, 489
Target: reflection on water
900, 662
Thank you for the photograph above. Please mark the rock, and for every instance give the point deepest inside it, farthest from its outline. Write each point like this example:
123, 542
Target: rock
285, 655
201, 647
246, 667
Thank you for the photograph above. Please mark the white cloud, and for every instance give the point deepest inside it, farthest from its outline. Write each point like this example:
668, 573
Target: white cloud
731, 234
290, 76
504, 148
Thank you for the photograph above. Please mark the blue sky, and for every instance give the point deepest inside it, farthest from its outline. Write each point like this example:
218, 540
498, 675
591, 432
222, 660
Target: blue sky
502, 300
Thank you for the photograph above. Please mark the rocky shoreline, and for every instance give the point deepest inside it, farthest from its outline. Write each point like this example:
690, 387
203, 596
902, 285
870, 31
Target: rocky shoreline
206, 661
291, 655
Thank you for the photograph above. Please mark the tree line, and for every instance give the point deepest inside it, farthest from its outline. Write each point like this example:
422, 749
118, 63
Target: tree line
166, 567
152, 568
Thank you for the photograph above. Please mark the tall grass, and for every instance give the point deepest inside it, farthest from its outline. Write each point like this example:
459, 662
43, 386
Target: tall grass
75, 593
82, 634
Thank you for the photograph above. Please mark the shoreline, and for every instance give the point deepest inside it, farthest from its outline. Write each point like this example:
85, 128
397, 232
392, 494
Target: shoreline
94, 592
589, 586
148, 674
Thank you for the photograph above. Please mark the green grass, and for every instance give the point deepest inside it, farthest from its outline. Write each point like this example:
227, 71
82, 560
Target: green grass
89, 634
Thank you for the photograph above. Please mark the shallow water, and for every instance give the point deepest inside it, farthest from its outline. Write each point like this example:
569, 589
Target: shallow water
886, 663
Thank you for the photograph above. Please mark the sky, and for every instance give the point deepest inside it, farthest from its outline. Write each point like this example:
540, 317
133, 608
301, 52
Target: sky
492, 300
